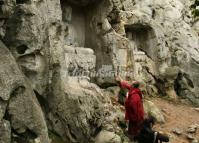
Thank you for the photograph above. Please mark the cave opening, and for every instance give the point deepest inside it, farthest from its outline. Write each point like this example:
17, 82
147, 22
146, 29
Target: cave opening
142, 38
24, 137
21, 49
83, 32
75, 18
2, 2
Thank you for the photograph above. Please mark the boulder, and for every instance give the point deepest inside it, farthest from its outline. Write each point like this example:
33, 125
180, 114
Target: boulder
107, 137
77, 109
151, 109
177, 131
192, 128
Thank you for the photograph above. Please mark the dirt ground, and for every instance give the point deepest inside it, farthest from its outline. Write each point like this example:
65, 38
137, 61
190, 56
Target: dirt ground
177, 115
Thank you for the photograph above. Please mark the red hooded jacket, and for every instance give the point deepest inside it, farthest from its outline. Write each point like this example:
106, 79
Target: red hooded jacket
133, 104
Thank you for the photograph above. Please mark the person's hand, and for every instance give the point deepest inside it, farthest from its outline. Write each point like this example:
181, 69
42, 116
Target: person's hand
118, 78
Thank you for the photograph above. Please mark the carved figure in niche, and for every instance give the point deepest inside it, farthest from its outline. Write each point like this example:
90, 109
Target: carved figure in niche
130, 36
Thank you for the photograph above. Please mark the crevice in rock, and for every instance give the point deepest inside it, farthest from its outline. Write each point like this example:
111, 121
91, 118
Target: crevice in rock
160, 84
21, 1
177, 86
82, 3
18, 90
148, 71
188, 79
183, 84
7, 116
80, 101
153, 13
71, 133
23, 137
42, 101
197, 62
56, 138
146, 54
2, 2
107, 84
21, 49
97, 131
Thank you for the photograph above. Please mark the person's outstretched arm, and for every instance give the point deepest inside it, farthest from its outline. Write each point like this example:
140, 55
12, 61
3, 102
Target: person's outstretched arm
123, 83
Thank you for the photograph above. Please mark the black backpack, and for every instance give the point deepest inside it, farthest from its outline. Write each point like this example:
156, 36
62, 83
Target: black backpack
122, 95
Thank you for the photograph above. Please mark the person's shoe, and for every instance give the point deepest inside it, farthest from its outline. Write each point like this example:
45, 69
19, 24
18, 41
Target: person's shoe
162, 138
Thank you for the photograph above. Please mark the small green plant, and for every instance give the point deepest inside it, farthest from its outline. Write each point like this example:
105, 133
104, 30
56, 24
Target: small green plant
195, 8
55, 137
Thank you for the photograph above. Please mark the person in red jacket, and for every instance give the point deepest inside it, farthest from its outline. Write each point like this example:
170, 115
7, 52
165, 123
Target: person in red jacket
133, 106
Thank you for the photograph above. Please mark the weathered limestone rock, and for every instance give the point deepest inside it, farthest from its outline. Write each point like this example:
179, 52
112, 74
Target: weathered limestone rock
170, 74
3, 105
190, 137
172, 41
79, 109
80, 61
151, 109
6, 8
107, 137
192, 128
5, 131
177, 131
23, 110
26, 45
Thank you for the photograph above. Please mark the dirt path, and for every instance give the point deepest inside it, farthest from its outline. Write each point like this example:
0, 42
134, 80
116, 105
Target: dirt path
177, 116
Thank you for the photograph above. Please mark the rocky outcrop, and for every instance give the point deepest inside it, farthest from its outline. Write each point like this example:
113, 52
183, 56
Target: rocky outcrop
72, 106
152, 110
5, 133
107, 137
19, 106
163, 31
77, 113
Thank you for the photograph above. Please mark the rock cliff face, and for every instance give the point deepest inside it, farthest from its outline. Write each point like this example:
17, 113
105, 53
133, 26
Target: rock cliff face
56, 54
